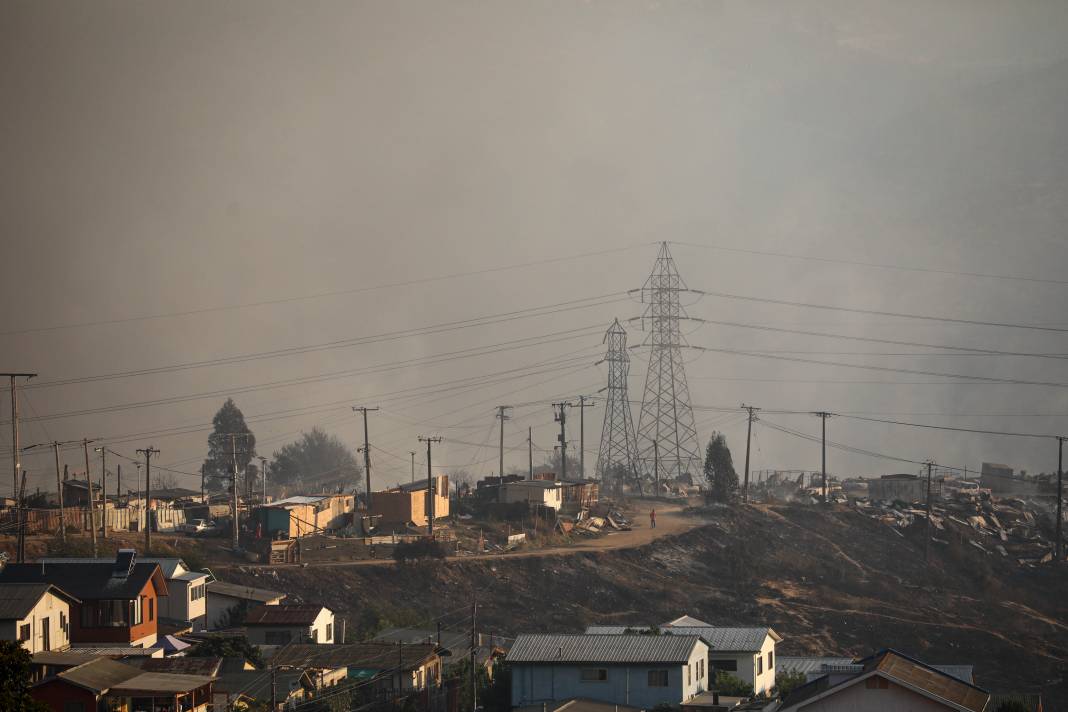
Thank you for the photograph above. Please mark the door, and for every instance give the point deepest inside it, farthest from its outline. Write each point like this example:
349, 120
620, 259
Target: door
46, 634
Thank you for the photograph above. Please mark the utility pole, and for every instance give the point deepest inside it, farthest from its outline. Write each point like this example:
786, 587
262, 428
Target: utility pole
118, 483
502, 416
412, 453
20, 553
233, 490
263, 476
366, 451
582, 406
561, 417
823, 415
103, 484
92, 501
927, 532
656, 469
1060, 494
530, 452
202, 485
474, 647
59, 496
748, 438
148, 452
15, 453
429, 440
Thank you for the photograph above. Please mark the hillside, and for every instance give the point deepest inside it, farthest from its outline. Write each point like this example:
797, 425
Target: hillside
831, 582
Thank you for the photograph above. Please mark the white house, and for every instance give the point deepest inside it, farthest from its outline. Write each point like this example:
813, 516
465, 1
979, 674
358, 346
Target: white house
538, 492
186, 601
284, 624
746, 653
887, 680
634, 670
35, 614
227, 601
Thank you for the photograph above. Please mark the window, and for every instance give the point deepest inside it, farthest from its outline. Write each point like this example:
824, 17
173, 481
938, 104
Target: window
73, 707
329, 632
196, 592
137, 608
315, 635
725, 665
109, 614
876, 683
63, 623
24, 632
688, 680
593, 674
658, 678
760, 664
151, 608
771, 660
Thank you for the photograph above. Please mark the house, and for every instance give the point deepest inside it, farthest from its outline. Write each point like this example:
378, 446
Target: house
887, 680
404, 668
903, 488
227, 601
103, 683
544, 493
575, 494
76, 493
302, 515
186, 604
457, 644
36, 614
408, 502
635, 670
49, 663
253, 687
290, 623
117, 600
746, 653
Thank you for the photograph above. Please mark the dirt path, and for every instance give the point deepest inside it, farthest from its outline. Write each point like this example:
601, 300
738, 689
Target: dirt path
669, 521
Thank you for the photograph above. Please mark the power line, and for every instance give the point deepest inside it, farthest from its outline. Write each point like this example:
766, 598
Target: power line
979, 431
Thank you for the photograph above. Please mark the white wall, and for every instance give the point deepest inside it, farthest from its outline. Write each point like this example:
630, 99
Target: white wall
49, 607
747, 665
859, 697
324, 622
324, 626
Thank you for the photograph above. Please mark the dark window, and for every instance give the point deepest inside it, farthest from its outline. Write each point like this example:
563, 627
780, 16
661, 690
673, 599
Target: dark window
771, 660
329, 632
315, 635
688, 680
658, 678
151, 609
725, 665
760, 664
109, 614
24, 632
73, 707
277, 637
593, 674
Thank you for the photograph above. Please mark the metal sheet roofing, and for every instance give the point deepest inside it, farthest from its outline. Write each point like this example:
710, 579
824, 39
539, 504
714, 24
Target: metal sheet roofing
98, 675
371, 655
89, 582
603, 648
248, 593
293, 614
161, 682
731, 640
181, 664
18, 599
808, 665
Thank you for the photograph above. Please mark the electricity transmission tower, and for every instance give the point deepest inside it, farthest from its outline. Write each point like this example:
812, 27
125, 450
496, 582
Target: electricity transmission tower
618, 454
666, 423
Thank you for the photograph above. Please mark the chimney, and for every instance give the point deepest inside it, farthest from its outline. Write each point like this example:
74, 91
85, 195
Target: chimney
124, 563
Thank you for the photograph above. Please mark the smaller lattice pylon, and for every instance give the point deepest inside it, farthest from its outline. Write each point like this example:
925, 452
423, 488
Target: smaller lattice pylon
617, 458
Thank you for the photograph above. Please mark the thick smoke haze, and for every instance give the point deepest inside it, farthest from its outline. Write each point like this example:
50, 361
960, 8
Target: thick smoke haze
255, 175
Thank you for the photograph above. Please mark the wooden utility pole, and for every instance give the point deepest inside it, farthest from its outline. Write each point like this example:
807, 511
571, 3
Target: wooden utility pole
429, 484
263, 476
20, 553
59, 496
1060, 495
118, 483
202, 478
823, 415
748, 438
366, 451
530, 452
103, 485
927, 530
502, 416
561, 417
412, 453
474, 648
16, 464
92, 500
584, 403
233, 490
148, 452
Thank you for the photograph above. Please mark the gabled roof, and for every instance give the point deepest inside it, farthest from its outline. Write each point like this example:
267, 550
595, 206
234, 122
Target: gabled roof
18, 599
180, 665
603, 648
367, 656
171, 566
89, 582
98, 676
284, 614
723, 640
808, 665
247, 593
688, 621
896, 667
161, 682
254, 685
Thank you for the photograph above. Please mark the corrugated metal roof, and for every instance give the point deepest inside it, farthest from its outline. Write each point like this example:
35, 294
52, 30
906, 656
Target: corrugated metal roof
301, 499
961, 672
98, 675
293, 614
161, 682
807, 665
180, 664
89, 582
18, 599
602, 648
370, 655
725, 640
249, 593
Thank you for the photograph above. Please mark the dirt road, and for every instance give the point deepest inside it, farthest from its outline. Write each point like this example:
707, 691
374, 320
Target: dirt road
669, 521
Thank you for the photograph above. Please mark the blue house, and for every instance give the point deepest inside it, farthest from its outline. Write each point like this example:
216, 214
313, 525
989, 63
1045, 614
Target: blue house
633, 670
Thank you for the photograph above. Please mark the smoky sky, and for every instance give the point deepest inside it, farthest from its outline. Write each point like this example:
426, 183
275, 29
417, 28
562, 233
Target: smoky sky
184, 159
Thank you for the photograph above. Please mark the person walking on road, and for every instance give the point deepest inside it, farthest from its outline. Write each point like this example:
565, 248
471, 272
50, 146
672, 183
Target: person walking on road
652, 518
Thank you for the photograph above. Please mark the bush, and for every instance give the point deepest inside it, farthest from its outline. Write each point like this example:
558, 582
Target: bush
421, 549
1012, 706
787, 682
731, 685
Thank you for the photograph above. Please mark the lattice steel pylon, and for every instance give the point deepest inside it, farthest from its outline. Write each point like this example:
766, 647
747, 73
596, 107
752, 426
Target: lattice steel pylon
666, 429
617, 459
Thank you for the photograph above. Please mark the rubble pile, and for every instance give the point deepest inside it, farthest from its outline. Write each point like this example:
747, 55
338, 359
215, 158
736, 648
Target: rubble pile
588, 523
1005, 526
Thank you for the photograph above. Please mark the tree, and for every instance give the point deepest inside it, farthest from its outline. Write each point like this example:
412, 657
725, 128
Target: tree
316, 458
221, 448
1012, 706
226, 647
731, 685
555, 464
15, 679
719, 469
786, 682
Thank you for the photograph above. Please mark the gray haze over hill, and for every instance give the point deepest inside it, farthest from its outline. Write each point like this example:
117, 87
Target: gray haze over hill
185, 158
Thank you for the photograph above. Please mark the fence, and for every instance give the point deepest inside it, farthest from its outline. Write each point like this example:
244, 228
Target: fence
46, 521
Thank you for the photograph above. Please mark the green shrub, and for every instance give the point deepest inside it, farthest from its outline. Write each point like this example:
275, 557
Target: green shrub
421, 549
786, 682
731, 685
